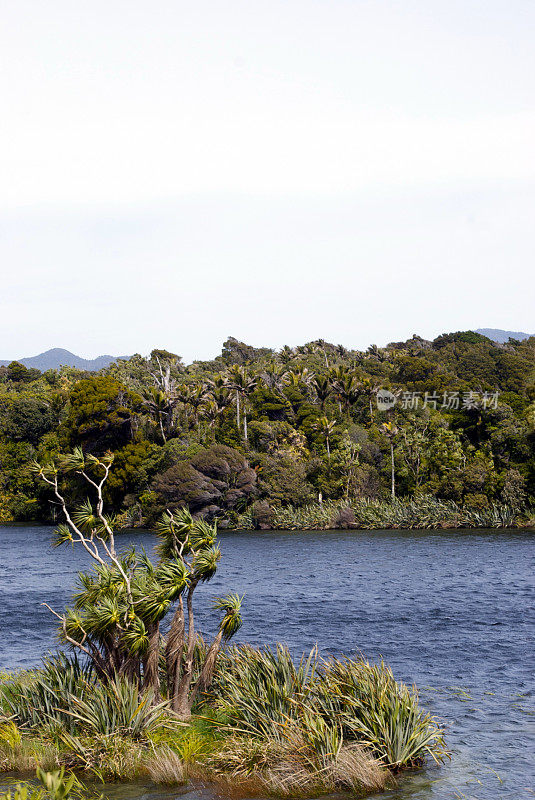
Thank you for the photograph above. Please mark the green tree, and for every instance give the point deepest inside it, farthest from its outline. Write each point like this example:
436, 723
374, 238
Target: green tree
391, 431
120, 604
103, 414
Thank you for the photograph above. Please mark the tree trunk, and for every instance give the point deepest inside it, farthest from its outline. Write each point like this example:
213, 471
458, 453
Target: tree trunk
393, 472
174, 647
161, 429
150, 665
238, 409
208, 668
181, 704
245, 425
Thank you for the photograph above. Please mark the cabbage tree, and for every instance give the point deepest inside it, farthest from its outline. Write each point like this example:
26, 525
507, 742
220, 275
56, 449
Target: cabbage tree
120, 604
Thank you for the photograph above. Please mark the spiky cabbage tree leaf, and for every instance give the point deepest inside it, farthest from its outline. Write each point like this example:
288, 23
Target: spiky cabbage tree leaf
205, 563
62, 535
135, 637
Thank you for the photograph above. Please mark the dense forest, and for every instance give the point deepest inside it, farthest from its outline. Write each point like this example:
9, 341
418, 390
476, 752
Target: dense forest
293, 438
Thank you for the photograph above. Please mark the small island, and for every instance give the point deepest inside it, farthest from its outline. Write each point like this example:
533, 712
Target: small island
139, 692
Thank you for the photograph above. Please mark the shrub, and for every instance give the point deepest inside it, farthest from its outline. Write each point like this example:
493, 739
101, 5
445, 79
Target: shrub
344, 519
43, 697
262, 515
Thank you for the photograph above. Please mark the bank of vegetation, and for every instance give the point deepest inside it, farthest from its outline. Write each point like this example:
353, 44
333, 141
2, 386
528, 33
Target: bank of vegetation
139, 692
262, 438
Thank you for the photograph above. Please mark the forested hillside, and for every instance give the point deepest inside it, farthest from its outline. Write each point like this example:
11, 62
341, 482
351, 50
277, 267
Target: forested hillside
258, 437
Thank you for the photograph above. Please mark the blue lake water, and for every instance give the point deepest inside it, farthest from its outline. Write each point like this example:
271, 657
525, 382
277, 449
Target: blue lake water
452, 611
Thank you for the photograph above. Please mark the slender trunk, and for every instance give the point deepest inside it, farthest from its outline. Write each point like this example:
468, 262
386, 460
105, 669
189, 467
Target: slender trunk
393, 473
151, 679
181, 703
208, 668
174, 647
371, 409
99, 663
161, 429
238, 409
245, 424
328, 448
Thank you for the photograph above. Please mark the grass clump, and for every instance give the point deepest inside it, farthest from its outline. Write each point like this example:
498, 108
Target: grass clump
166, 767
420, 513
318, 724
269, 724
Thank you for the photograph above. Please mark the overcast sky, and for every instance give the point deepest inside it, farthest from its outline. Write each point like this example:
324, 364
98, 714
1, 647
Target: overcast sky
277, 170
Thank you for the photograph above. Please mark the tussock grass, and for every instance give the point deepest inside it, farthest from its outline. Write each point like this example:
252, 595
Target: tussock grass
425, 512
166, 767
317, 725
270, 724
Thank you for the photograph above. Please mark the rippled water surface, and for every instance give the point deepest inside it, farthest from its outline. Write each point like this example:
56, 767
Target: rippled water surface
451, 611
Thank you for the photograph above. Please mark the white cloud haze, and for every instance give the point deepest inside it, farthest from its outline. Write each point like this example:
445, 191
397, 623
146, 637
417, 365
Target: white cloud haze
172, 172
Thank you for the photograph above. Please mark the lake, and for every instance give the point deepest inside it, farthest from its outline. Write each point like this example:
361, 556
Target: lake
452, 611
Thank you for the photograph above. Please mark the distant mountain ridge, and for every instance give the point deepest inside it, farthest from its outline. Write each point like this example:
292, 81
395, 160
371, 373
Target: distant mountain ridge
497, 335
58, 357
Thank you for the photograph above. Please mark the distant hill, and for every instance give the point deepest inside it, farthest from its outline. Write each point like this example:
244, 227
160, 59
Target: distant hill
497, 335
57, 357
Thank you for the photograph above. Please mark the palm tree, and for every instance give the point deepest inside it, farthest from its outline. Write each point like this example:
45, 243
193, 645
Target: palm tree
220, 396
320, 348
161, 406
348, 390
286, 354
370, 387
239, 381
326, 427
183, 394
322, 387
120, 605
208, 413
391, 430
273, 377
302, 378
229, 625
196, 399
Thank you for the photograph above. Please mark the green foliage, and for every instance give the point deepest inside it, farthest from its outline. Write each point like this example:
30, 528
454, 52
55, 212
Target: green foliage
265, 694
117, 707
285, 419
218, 478
43, 697
56, 785
65, 696
423, 512
102, 414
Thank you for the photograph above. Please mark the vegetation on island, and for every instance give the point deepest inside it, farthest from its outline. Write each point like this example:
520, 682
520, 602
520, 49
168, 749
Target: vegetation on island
138, 697
294, 438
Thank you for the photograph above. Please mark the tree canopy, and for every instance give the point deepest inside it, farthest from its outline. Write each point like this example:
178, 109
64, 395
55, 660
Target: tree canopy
281, 428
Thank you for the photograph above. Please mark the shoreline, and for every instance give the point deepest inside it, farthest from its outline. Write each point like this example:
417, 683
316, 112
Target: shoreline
446, 526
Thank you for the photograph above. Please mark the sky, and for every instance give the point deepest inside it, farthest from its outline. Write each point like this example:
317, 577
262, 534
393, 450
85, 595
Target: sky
172, 173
